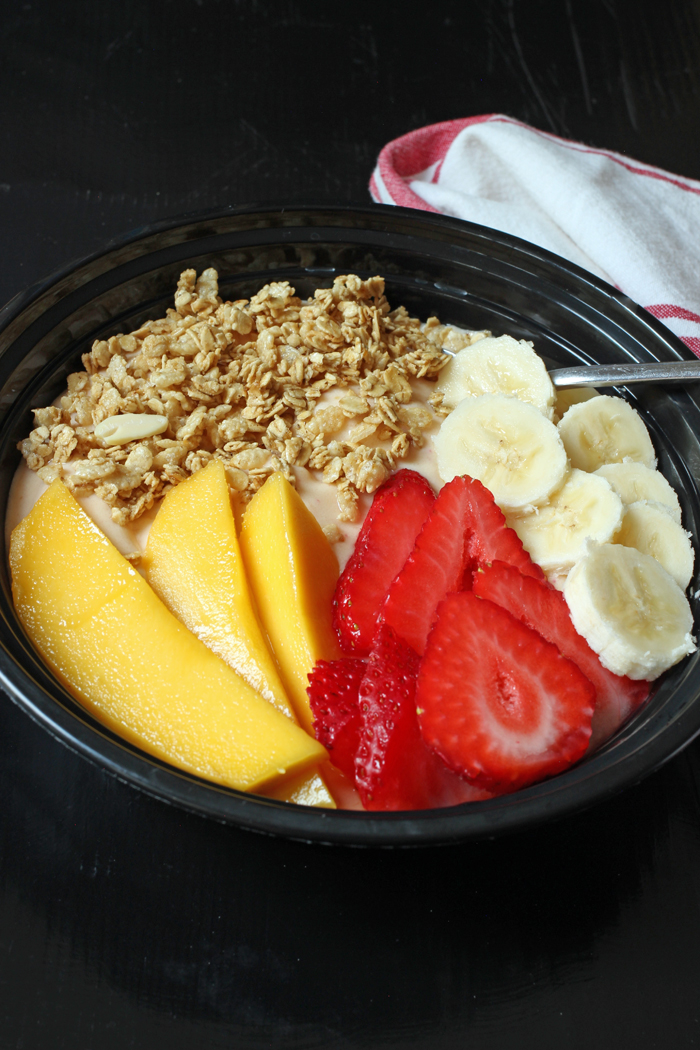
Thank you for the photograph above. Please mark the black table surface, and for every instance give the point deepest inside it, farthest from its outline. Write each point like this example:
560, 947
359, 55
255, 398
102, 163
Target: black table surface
127, 923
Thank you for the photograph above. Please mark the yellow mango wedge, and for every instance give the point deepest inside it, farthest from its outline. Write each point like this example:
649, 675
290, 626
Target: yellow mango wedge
193, 563
110, 640
303, 789
292, 571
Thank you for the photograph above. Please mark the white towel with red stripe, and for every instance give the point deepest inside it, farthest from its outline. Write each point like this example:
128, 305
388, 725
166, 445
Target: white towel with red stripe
636, 226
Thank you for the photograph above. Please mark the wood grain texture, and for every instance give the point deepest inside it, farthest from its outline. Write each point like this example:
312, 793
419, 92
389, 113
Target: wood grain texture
126, 923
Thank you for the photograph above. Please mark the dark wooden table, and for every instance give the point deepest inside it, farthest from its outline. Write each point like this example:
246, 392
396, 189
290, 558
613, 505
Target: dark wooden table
126, 923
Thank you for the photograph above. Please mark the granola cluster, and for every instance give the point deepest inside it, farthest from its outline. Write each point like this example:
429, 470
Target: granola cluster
241, 382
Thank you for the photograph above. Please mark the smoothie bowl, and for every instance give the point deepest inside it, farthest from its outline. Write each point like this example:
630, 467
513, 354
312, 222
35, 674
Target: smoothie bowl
275, 268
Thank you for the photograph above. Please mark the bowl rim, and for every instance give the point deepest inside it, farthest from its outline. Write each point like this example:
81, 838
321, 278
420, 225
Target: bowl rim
25, 297
592, 781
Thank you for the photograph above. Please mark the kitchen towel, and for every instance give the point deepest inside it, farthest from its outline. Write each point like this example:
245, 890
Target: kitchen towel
636, 226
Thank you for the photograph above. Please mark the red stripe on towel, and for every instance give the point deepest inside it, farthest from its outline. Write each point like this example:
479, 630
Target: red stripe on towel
662, 310
692, 342
405, 157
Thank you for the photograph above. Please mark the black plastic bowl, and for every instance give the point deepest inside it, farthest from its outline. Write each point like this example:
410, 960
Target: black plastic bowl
468, 276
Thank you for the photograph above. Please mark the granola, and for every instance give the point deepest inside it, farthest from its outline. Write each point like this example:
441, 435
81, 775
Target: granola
266, 384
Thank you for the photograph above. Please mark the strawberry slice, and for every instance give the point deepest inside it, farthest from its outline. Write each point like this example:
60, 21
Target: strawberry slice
491, 539
333, 694
393, 768
464, 529
540, 606
496, 701
435, 567
388, 533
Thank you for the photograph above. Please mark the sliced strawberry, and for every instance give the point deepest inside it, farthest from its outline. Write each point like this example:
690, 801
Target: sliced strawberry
435, 567
540, 606
496, 701
333, 695
388, 533
491, 538
393, 768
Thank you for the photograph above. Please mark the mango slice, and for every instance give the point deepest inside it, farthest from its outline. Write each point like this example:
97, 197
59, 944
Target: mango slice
194, 564
303, 789
110, 640
292, 571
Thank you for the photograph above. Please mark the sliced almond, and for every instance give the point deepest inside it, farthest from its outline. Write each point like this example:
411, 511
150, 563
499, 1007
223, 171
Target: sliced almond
132, 426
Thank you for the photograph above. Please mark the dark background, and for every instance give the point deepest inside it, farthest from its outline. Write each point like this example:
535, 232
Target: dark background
126, 923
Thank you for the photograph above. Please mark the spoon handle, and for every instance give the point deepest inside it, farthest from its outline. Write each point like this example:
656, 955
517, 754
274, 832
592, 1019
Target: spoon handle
623, 375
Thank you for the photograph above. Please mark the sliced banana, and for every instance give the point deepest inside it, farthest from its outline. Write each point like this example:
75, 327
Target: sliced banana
634, 482
506, 444
585, 507
605, 430
500, 365
451, 339
569, 396
629, 610
648, 527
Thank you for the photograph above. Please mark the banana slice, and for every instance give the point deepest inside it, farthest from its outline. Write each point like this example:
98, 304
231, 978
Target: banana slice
497, 366
648, 527
506, 444
452, 339
572, 395
629, 610
634, 482
555, 536
605, 430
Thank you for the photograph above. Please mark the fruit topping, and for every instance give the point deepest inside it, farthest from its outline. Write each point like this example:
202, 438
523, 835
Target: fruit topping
633, 482
333, 694
490, 537
194, 564
110, 640
629, 610
389, 736
464, 529
399, 509
292, 572
435, 567
497, 365
496, 701
539, 606
651, 529
605, 430
585, 507
393, 767
507, 444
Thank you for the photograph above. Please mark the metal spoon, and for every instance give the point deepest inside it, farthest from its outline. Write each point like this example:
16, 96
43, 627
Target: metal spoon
623, 375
